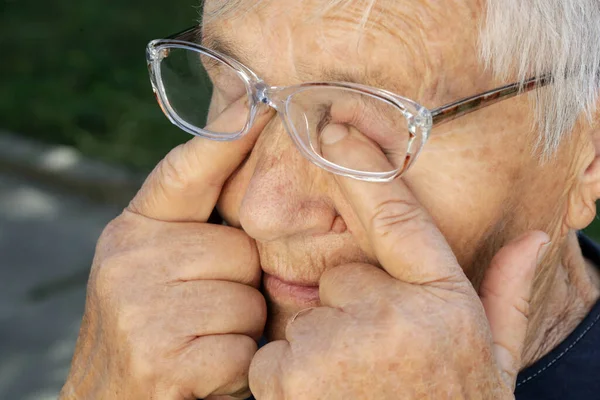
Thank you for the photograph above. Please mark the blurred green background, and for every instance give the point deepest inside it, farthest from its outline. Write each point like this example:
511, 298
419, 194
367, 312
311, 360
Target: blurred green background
74, 73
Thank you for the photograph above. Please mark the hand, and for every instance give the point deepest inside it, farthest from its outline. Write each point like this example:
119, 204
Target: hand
173, 310
415, 329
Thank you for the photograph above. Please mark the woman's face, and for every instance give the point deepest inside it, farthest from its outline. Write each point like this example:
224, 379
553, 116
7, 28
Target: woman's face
478, 176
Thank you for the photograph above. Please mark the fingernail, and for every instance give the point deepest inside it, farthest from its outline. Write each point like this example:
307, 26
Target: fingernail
303, 311
542, 251
333, 133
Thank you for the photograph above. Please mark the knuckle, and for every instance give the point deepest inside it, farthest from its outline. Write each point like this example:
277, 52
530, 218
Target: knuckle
251, 274
387, 315
110, 272
123, 232
174, 171
143, 341
333, 277
102, 279
111, 233
144, 366
521, 307
108, 232
256, 303
488, 291
390, 215
298, 378
132, 321
466, 321
347, 275
110, 277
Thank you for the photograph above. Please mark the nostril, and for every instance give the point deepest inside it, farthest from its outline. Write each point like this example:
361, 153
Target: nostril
274, 210
338, 225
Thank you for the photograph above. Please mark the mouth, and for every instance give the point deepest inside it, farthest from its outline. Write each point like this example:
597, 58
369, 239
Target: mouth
302, 293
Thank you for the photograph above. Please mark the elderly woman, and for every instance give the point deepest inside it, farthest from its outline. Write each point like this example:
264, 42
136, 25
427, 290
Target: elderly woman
401, 185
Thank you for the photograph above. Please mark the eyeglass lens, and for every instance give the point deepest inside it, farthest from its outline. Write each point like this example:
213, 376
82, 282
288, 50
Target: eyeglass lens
378, 138
199, 87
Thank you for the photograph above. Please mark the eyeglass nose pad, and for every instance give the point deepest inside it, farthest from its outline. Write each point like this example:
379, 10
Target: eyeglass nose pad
261, 93
267, 97
416, 141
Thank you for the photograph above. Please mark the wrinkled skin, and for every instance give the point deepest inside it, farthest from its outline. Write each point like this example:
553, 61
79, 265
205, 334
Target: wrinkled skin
426, 284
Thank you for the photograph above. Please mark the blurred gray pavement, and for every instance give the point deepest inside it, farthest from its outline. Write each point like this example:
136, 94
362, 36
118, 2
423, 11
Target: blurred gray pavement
47, 239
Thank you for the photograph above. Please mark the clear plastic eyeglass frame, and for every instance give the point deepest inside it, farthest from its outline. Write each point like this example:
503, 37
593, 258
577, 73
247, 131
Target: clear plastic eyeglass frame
420, 120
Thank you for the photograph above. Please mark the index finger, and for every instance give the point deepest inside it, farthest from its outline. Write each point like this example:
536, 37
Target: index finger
403, 235
186, 184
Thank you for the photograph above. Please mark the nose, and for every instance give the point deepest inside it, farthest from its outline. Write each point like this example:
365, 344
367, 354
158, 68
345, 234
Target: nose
286, 195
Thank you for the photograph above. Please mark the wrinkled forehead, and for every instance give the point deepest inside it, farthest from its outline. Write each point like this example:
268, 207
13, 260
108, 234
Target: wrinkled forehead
401, 45
358, 10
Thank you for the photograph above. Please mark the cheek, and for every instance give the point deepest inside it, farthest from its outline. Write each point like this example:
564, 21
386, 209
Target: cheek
466, 184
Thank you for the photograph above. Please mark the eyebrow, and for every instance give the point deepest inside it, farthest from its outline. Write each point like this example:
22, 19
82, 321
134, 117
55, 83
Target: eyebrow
359, 77
209, 38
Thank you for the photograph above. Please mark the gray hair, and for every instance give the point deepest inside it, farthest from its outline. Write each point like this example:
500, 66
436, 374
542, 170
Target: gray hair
524, 38
557, 37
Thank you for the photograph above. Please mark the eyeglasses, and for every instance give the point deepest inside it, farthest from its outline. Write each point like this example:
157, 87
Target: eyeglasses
189, 79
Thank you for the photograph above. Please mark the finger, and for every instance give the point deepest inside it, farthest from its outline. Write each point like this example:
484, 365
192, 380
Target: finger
217, 365
317, 325
185, 185
350, 284
217, 252
403, 235
266, 374
233, 308
505, 293
199, 251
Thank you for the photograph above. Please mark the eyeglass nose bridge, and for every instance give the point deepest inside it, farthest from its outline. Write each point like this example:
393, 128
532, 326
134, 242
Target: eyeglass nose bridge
269, 96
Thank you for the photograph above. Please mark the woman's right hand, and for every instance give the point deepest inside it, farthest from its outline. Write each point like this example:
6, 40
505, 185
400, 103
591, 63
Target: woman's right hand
173, 309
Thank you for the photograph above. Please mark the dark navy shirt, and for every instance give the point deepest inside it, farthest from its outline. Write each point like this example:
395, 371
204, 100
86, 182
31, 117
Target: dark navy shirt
571, 370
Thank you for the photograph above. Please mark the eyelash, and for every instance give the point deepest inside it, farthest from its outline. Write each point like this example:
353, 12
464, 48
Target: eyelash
325, 116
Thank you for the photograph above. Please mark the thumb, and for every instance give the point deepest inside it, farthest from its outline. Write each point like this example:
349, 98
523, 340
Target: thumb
505, 293
185, 185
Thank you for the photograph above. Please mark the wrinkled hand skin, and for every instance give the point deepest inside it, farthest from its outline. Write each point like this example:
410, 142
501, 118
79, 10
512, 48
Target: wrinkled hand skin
414, 328
173, 309
392, 341
153, 324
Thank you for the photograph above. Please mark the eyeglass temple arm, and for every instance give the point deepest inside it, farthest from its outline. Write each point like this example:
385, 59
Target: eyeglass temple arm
188, 35
465, 106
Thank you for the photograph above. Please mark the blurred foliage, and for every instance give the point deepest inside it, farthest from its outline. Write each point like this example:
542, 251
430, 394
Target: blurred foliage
74, 73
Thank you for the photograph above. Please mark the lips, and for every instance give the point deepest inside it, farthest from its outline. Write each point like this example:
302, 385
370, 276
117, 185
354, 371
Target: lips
297, 292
